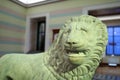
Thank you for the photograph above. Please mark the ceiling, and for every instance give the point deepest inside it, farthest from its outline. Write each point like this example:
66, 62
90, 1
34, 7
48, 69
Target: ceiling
30, 3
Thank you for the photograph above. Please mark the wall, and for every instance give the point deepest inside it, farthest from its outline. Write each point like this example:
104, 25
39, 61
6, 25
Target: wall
60, 12
13, 20
12, 27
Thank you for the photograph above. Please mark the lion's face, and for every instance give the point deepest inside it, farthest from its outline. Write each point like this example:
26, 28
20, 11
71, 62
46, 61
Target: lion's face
79, 46
79, 39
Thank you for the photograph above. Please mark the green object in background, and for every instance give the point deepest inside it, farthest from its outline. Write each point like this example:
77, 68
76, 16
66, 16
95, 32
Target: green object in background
74, 55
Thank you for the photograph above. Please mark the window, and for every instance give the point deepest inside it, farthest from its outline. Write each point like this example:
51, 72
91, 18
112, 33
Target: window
113, 46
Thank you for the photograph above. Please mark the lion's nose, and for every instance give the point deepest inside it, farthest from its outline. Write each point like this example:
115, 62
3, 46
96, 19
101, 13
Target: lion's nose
70, 43
71, 39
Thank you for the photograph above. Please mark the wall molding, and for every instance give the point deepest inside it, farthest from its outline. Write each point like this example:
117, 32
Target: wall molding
100, 6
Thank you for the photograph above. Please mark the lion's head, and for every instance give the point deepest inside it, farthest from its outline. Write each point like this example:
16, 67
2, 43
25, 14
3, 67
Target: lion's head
79, 46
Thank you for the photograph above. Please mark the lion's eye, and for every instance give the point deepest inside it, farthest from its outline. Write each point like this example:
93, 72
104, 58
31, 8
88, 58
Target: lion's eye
84, 29
78, 28
67, 31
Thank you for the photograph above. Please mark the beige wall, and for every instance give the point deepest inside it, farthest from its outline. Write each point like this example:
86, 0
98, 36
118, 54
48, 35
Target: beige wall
12, 27
58, 13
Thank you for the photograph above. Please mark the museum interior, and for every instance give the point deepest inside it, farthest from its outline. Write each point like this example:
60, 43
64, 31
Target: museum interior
29, 28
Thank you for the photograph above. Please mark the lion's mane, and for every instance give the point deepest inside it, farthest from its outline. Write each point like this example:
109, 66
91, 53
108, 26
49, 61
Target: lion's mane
62, 65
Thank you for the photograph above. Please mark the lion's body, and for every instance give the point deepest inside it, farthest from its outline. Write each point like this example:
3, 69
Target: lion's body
74, 55
24, 67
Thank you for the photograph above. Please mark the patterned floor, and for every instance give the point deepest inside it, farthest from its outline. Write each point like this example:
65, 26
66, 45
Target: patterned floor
105, 77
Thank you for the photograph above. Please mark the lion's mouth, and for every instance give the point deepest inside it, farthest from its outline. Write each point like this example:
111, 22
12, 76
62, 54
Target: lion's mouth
77, 56
77, 53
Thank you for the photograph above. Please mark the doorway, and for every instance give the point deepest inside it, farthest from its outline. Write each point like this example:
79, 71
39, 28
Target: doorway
31, 32
41, 28
37, 34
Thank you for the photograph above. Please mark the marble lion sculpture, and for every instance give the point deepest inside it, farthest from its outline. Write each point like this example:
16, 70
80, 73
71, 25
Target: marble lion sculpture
74, 55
